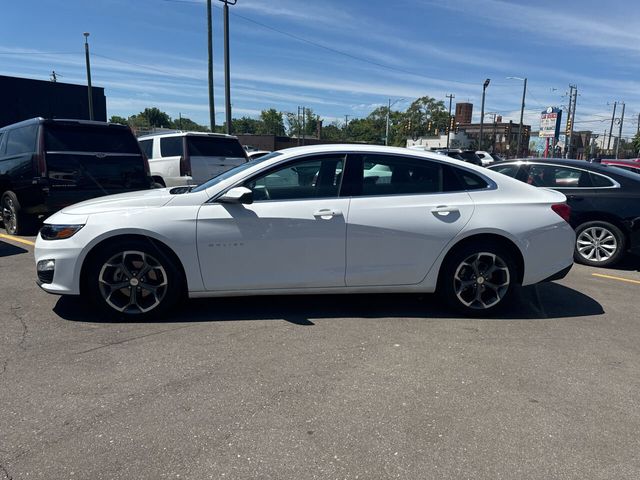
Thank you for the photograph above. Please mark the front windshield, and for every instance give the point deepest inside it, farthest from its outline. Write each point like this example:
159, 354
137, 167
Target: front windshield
230, 173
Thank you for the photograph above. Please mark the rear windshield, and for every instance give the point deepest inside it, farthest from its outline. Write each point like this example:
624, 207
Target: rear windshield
214, 147
109, 174
89, 138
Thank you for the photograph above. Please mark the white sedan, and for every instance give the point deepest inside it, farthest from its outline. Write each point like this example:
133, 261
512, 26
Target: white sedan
312, 220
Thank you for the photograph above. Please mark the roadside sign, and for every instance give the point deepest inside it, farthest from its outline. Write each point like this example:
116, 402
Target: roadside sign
550, 122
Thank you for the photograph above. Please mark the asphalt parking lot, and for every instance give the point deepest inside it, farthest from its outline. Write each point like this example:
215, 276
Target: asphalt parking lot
344, 387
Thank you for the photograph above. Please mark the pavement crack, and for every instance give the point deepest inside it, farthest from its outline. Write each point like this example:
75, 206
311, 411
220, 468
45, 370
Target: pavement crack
5, 472
25, 328
130, 339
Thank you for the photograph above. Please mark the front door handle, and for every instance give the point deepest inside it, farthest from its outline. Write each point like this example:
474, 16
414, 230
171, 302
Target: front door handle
327, 212
444, 210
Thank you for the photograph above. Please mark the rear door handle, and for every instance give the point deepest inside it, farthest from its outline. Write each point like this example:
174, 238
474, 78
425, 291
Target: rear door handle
444, 210
327, 212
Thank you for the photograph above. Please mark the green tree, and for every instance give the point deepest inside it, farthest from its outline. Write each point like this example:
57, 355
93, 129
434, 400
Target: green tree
332, 132
271, 122
187, 124
424, 116
118, 119
245, 125
297, 125
636, 144
156, 118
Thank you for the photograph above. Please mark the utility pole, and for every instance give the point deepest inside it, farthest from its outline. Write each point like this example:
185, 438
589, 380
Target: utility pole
346, 125
524, 93
484, 88
299, 123
212, 110
613, 117
86, 56
638, 131
620, 131
450, 97
227, 75
304, 123
571, 115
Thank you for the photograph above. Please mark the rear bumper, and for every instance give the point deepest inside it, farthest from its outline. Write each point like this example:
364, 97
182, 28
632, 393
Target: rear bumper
558, 275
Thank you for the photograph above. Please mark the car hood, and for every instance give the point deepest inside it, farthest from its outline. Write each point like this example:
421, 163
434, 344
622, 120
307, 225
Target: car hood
122, 201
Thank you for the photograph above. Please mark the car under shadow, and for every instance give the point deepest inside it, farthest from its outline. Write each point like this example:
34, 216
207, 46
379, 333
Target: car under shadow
538, 302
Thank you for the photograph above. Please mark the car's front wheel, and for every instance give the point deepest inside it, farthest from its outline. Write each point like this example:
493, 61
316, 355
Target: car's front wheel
478, 279
133, 279
599, 244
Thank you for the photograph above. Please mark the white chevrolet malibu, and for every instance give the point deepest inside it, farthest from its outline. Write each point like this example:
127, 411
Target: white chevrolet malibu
319, 219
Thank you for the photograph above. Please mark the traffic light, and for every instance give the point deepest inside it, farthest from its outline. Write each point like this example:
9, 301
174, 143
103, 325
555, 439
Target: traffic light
429, 124
569, 125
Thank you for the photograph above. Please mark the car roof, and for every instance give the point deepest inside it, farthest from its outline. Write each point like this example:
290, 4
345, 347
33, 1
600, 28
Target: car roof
181, 133
61, 121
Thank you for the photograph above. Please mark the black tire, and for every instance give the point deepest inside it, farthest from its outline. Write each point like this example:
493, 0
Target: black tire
483, 295
15, 221
599, 244
122, 264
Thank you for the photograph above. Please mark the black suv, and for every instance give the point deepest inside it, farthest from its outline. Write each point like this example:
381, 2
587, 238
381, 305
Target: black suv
468, 156
46, 165
604, 201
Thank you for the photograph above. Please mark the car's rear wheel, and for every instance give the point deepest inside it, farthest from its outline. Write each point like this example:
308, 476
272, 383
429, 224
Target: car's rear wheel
15, 221
134, 280
478, 279
599, 244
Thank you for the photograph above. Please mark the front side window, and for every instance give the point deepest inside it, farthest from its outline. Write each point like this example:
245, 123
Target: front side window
317, 177
171, 147
22, 140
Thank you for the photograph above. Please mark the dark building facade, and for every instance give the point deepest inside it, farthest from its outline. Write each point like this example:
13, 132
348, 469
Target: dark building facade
24, 98
464, 111
499, 137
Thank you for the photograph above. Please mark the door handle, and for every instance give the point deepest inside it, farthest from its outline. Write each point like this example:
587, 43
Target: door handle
327, 212
575, 198
444, 210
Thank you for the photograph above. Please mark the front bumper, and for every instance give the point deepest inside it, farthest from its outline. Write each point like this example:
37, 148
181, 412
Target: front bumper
559, 275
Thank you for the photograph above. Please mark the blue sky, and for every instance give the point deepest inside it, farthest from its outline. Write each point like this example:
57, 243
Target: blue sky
153, 53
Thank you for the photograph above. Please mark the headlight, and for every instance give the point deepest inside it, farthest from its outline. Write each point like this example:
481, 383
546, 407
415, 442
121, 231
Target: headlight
58, 232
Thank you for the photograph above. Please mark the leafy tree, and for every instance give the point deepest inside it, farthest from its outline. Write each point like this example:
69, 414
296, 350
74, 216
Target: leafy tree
118, 119
636, 144
245, 125
297, 125
271, 122
425, 115
155, 117
187, 124
332, 132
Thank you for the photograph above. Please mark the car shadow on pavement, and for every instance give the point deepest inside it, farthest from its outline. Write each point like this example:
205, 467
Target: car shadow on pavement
630, 263
543, 301
6, 249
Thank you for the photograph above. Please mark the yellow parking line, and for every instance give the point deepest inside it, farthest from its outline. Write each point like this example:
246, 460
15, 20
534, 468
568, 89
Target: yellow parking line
21, 240
616, 278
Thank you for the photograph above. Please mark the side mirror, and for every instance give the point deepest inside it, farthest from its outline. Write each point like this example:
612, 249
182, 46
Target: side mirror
237, 195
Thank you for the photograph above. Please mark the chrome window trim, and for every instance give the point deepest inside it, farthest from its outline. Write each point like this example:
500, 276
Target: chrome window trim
615, 183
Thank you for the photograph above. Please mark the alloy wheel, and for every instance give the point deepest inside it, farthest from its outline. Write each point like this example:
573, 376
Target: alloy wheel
133, 282
481, 280
596, 244
9, 215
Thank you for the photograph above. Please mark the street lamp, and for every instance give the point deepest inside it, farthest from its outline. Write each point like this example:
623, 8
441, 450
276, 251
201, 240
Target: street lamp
227, 80
386, 136
86, 55
484, 88
524, 93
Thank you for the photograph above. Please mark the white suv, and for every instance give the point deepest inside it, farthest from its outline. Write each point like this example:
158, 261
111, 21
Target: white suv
187, 158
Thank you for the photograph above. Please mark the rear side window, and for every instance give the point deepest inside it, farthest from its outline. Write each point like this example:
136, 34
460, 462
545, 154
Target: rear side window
395, 175
171, 147
509, 170
90, 138
1, 144
147, 147
558, 177
471, 181
202, 146
22, 140
600, 180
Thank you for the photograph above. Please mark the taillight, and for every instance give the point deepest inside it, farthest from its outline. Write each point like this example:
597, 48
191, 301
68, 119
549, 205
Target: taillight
563, 210
40, 160
145, 161
185, 159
